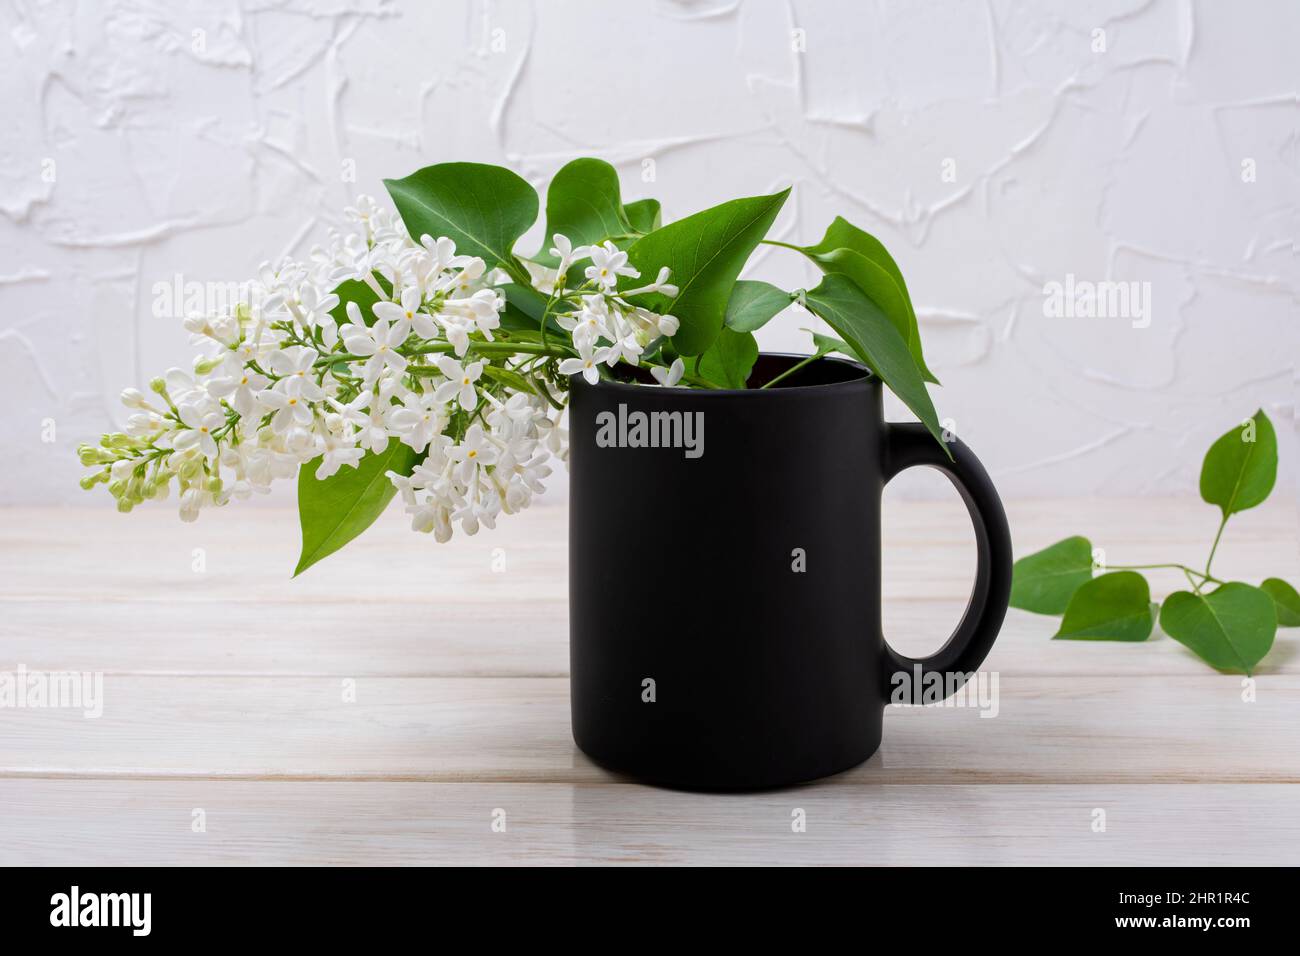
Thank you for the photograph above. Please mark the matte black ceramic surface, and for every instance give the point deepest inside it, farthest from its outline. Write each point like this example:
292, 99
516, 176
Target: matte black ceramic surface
724, 592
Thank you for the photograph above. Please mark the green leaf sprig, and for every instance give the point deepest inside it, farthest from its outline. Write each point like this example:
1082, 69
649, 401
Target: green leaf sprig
1228, 624
374, 322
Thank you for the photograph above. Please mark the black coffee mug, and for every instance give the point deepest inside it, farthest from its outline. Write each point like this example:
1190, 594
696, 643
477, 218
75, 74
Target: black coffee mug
724, 575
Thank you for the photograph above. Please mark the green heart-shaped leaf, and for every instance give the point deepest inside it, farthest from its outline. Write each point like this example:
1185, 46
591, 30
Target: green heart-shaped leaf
524, 309
585, 205
753, 304
1113, 607
1241, 466
1230, 629
1044, 582
354, 290
1285, 600
644, 215
483, 209
334, 510
705, 252
826, 344
862, 257
730, 359
843, 306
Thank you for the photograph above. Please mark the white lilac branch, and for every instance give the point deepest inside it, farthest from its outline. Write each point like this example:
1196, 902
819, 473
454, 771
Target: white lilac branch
281, 382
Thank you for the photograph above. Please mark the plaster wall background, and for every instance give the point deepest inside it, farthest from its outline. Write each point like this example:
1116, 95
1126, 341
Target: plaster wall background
992, 145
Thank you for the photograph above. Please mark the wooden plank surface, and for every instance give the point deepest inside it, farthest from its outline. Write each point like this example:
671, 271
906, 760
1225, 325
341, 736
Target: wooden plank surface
1046, 730
507, 638
223, 689
89, 589
103, 822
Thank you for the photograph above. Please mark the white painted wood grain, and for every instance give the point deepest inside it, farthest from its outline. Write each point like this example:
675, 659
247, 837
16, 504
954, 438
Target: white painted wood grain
96, 554
223, 690
1047, 730
103, 822
94, 590
471, 638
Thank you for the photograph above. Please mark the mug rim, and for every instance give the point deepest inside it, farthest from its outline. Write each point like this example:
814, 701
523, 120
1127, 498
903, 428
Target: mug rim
865, 377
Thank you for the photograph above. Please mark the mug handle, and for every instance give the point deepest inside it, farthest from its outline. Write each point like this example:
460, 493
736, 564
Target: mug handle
911, 444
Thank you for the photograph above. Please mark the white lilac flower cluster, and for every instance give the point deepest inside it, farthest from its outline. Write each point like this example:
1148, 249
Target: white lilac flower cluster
301, 374
604, 325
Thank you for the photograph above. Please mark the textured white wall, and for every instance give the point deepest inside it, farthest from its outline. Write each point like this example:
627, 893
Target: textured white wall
143, 139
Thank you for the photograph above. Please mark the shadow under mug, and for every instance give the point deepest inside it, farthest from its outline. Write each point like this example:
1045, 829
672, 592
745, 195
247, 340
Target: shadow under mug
724, 575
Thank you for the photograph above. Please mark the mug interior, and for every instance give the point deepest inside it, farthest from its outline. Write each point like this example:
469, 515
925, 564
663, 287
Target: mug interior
828, 370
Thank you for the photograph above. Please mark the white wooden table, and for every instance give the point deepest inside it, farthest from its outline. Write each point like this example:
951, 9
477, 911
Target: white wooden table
226, 736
